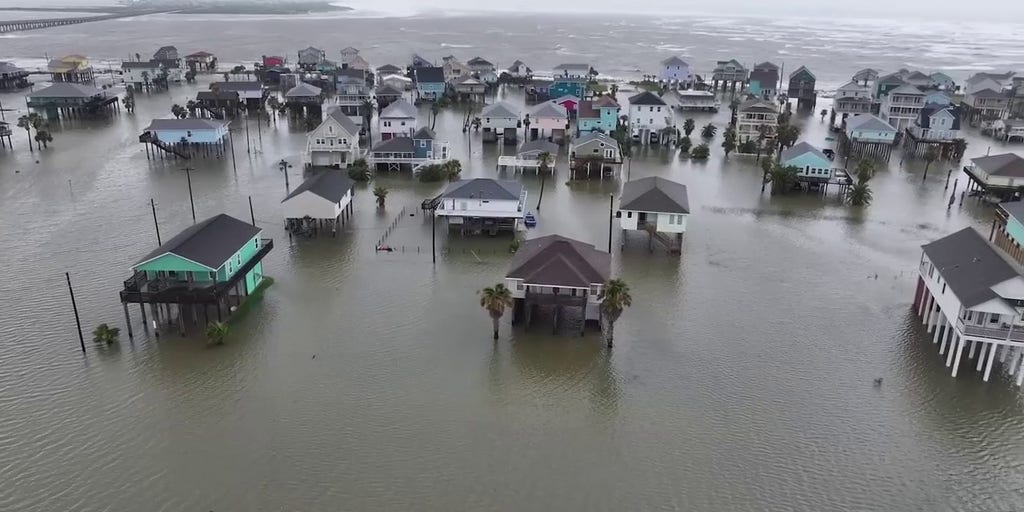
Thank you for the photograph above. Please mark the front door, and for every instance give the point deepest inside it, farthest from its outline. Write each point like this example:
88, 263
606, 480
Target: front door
641, 219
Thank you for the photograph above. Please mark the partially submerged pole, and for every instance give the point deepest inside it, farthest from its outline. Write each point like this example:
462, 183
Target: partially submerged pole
74, 306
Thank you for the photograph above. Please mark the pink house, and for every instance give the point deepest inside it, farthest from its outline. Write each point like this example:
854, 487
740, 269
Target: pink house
548, 120
569, 103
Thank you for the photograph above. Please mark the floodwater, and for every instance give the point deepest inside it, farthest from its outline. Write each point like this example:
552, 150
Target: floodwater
741, 378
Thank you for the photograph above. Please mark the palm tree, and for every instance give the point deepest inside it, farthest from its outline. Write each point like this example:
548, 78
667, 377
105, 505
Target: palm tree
380, 193
217, 332
614, 299
614, 89
824, 112
452, 169
700, 152
43, 137
145, 79
367, 109
543, 160
358, 170
788, 135
685, 144
26, 123
434, 109
495, 299
729, 144
105, 334
688, 126
709, 131
859, 194
782, 178
930, 155
129, 102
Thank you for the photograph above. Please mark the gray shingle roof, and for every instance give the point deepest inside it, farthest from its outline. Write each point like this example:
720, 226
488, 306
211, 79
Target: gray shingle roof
1015, 209
431, 75
484, 188
549, 109
654, 194
1006, 164
590, 137
479, 61
387, 90
423, 133
345, 121
988, 93
394, 145
757, 105
389, 69
331, 185
209, 243
908, 90
500, 109
969, 265
768, 78
931, 109
303, 90
399, 109
191, 123
646, 98
555, 260
868, 122
673, 61
66, 90
137, 65
217, 96
800, 70
801, 149
538, 146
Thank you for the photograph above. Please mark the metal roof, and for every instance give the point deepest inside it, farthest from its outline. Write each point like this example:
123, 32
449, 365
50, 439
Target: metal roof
66, 90
538, 146
1006, 164
555, 260
654, 194
209, 243
969, 266
801, 149
330, 184
394, 145
484, 188
344, 120
674, 61
868, 122
500, 109
303, 90
429, 75
549, 109
191, 123
399, 109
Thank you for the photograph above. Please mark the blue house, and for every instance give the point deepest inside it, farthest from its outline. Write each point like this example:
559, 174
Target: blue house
429, 83
600, 114
569, 80
811, 163
423, 143
181, 136
764, 80
869, 128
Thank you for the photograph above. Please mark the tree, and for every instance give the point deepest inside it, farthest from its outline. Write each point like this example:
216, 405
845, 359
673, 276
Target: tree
129, 102
138, 57
367, 109
788, 135
105, 334
26, 123
614, 299
685, 144
380, 193
191, 106
701, 152
688, 126
543, 160
824, 112
178, 111
452, 169
782, 178
217, 332
358, 170
859, 194
190, 76
43, 136
729, 144
930, 155
748, 147
526, 127
709, 131
434, 109
495, 299
614, 90
145, 79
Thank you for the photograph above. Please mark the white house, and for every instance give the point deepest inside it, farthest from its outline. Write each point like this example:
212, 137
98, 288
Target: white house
869, 128
594, 148
335, 143
140, 72
985, 94
654, 203
675, 70
1009, 130
482, 69
483, 204
402, 83
853, 98
972, 299
397, 120
500, 119
1003, 170
324, 196
754, 116
453, 69
902, 106
649, 116
690, 99
548, 120
937, 122
519, 70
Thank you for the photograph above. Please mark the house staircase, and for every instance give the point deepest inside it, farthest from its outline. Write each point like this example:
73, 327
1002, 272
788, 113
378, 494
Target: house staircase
149, 138
430, 204
673, 245
214, 114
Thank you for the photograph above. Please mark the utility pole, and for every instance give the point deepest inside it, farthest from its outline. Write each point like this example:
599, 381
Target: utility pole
74, 306
611, 215
156, 225
251, 214
433, 236
284, 165
188, 175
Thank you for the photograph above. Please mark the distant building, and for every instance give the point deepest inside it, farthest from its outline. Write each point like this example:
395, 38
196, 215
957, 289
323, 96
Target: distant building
570, 80
387, 94
728, 71
754, 118
397, 120
500, 119
675, 70
518, 69
801, 88
902, 105
430, 83
12, 77
942, 81
70, 68
853, 98
311, 57
649, 119
483, 70
166, 53
468, 88
764, 80
453, 69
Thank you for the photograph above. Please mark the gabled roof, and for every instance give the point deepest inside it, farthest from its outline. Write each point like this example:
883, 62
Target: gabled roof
998, 77
555, 260
350, 50
8, 68
767, 78
424, 133
209, 243
907, 90
891, 78
394, 145
988, 93
515, 66
1006, 164
66, 90
217, 96
802, 69
674, 61
388, 69
853, 86
399, 108
654, 194
466, 80
302, 90
605, 102
500, 109
917, 75
646, 98
598, 137
353, 73
969, 266
801, 149
346, 122
757, 105
430, 75
387, 90
538, 146
566, 98
1014, 209
586, 110
189, 123
199, 55
722, 64
549, 109
868, 122
484, 188
865, 74
766, 65
931, 109
479, 61
236, 86
331, 185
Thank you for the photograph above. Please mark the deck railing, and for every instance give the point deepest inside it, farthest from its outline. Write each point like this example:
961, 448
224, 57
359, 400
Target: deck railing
1015, 333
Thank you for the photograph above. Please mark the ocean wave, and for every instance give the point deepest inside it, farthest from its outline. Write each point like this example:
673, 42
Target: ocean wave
453, 45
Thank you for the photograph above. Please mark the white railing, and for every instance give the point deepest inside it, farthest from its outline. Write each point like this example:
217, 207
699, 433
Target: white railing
1005, 333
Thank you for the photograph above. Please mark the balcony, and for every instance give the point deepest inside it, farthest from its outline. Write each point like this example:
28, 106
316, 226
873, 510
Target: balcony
1003, 332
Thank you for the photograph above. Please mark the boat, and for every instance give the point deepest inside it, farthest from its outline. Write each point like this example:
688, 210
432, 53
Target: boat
529, 220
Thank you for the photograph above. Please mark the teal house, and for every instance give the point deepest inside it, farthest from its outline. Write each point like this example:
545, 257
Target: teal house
214, 262
598, 115
811, 163
569, 80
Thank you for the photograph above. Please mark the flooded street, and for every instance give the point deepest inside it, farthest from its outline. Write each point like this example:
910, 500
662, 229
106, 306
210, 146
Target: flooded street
741, 378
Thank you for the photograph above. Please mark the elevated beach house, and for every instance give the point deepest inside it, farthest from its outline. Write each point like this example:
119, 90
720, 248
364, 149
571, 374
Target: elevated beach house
556, 272
691, 99
140, 74
311, 57
986, 98
482, 205
12, 77
755, 117
675, 70
201, 61
519, 69
186, 138
728, 72
335, 143
936, 123
389, 69
867, 128
569, 80
999, 175
902, 105
453, 68
1009, 130
252, 94
764, 80
167, 53
658, 206
353, 92
483, 70
886, 83
468, 88
430, 83
397, 120
649, 119
321, 202
71, 100
866, 77
528, 156
350, 59
500, 119
305, 98
1007, 231
409, 153
594, 152
386, 95
801, 88
216, 262
599, 114
548, 121
73, 68
217, 104
941, 81
812, 165
970, 296
853, 98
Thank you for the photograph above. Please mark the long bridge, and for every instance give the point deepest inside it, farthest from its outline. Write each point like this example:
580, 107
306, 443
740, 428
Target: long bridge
21, 25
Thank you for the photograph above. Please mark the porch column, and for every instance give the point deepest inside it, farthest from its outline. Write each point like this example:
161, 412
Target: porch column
1006, 350
974, 347
1015, 363
1020, 372
940, 321
981, 355
931, 311
991, 358
957, 341
923, 298
959, 351
945, 338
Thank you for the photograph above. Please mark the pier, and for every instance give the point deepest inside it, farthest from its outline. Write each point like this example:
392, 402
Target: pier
23, 25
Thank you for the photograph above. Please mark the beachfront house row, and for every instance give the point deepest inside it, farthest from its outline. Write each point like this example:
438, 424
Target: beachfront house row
397, 120
1016, 110
482, 205
335, 143
550, 121
599, 114
252, 94
570, 80
971, 298
311, 57
937, 122
902, 106
649, 119
801, 88
675, 70
430, 83
658, 206
500, 119
811, 163
870, 129
755, 117
324, 196
999, 174
519, 69
557, 271
764, 80
594, 150
942, 81
483, 70
853, 98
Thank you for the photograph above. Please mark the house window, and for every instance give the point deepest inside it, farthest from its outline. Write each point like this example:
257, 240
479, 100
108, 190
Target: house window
238, 260
993, 318
943, 288
652, 109
403, 123
629, 215
189, 133
344, 142
256, 243
671, 219
213, 276
520, 286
